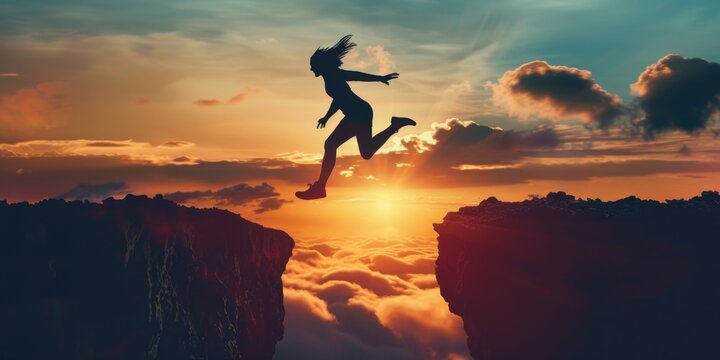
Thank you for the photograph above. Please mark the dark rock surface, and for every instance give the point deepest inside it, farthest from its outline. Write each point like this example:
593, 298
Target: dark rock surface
562, 278
138, 278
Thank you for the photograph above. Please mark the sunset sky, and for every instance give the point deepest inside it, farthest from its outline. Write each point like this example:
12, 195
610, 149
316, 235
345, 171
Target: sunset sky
213, 104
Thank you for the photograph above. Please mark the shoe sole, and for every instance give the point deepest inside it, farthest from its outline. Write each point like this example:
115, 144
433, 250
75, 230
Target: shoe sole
309, 198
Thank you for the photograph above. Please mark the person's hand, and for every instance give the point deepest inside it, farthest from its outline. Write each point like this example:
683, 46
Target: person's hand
386, 79
321, 123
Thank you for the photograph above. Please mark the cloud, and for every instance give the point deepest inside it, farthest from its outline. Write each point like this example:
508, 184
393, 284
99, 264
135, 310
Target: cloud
182, 197
207, 102
392, 266
453, 153
685, 150
176, 144
336, 291
677, 93
141, 152
241, 194
312, 331
94, 191
362, 322
271, 204
421, 320
239, 97
267, 40
455, 142
463, 86
340, 308
39, 106
247, 91
9, 75
382, 57
263, 195
105, 143
375, 55
182, 159
142, 101
6, 153
538, 89
378, 284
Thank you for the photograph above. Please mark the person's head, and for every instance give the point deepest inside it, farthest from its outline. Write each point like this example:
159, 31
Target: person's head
328, 59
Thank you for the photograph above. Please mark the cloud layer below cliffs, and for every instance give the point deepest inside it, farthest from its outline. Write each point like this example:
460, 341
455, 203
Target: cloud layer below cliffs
369, 299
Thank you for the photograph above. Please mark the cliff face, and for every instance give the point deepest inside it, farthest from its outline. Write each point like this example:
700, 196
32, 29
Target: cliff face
138, 278
560, 278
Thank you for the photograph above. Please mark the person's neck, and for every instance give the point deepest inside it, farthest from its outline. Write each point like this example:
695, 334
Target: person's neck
330, 74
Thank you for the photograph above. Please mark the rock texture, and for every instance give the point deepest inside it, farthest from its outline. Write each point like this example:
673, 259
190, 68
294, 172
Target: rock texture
138, 278
562, 278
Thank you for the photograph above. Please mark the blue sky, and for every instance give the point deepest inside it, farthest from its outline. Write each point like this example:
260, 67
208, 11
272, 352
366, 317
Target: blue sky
613, 39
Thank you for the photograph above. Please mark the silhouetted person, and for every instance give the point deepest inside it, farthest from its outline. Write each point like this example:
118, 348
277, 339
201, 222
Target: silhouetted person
357, 122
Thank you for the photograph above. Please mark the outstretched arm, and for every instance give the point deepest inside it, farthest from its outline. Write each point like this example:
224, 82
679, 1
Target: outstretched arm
331, 111
361, 76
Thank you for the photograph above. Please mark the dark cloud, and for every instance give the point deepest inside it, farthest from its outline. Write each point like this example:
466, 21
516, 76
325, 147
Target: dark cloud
241, 194
94, 191
271, 204
454, 153
456, 142
263, 195
538, 89
501, 158
678, 93
181, 197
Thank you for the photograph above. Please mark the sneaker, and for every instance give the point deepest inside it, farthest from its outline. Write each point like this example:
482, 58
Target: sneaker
398, 122
314, 192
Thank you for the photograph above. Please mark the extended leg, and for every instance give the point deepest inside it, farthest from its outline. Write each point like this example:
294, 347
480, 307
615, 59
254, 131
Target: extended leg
342, 133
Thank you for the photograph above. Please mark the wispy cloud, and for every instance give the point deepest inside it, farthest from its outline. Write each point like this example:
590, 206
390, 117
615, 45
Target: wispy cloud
39, 106
239, 97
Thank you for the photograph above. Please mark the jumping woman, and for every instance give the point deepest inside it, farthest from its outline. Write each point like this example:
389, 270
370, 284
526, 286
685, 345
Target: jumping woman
357, 122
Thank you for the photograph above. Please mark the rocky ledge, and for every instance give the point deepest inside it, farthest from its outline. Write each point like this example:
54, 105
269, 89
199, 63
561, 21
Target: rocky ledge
138, 278
557, 277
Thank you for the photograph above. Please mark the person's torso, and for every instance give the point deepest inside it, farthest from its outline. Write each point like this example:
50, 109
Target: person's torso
344, 97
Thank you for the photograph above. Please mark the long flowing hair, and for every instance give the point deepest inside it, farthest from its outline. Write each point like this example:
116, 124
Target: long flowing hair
328, 58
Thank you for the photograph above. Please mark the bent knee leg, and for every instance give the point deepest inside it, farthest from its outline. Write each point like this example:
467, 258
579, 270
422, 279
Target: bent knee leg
367, 155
